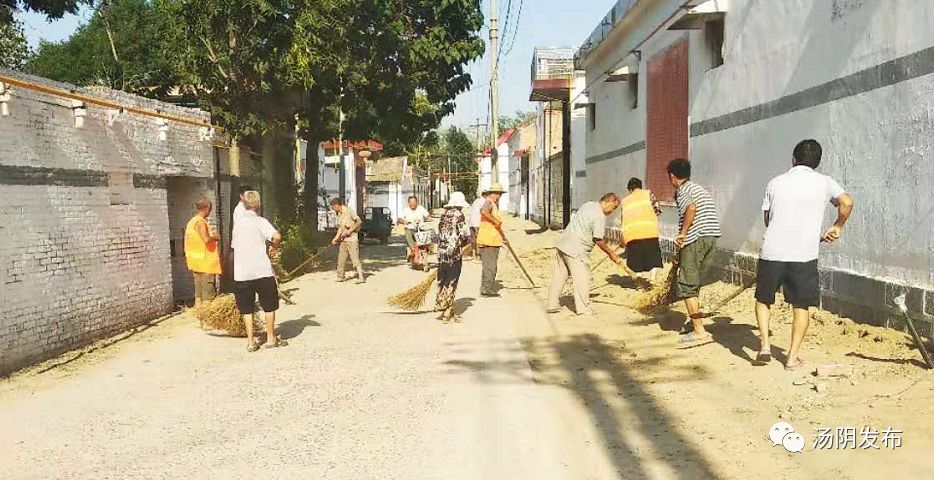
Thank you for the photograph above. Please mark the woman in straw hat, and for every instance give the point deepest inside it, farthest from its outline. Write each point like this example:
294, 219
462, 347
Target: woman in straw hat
454, 233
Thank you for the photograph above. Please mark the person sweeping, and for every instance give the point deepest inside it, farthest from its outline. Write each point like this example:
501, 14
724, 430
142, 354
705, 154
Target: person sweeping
640, 213
348, 224
696, 241
490, 238
572, 257
253, 274
454, 233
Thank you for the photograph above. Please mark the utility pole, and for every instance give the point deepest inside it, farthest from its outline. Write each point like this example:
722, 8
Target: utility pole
477, 126
494, 88
342, 178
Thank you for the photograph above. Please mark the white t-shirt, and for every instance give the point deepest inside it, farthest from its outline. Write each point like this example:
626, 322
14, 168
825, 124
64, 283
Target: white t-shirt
475, 208
250, 234
414, 217
797, 201
239, 210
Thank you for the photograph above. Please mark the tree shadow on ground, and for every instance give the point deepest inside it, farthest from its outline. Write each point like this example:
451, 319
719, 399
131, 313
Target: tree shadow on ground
604, 377
739, 339
897, 361
292, 328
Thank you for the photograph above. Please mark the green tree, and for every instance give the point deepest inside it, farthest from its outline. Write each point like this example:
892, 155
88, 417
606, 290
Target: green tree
120, 47
518, 117
394, 68
457, 145
14, 51
52, 8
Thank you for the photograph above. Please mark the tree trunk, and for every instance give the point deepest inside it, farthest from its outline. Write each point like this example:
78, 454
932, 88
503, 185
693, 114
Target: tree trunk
270, 176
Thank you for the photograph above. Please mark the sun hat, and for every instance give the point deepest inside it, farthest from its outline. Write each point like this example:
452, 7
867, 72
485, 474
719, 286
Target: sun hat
495, 188
457, 200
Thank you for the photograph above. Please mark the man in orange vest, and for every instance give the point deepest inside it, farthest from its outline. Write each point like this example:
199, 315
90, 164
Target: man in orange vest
490, 238
201, 253
640, 230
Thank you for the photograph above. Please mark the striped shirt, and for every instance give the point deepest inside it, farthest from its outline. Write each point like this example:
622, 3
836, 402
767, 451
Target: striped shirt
706, 222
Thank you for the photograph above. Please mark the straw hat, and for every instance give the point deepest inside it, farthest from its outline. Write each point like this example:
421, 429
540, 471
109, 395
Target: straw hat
495, 188
457, 200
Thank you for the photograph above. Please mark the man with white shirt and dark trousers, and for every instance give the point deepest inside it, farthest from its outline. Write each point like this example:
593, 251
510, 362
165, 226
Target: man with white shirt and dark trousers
253, 274
793, 211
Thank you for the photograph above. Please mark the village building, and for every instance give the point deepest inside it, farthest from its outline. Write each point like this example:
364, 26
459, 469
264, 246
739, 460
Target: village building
97, 186
521, 146
734, 85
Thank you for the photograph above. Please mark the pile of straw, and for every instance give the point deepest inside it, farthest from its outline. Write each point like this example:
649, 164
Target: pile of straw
413, 299
222, 314
659, 294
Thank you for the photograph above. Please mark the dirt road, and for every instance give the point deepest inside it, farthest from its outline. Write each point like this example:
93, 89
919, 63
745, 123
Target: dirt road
365, 392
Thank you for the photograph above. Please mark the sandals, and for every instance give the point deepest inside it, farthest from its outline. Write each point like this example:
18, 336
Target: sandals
762, 358
252, 347
794, 367
692, 339
278, 343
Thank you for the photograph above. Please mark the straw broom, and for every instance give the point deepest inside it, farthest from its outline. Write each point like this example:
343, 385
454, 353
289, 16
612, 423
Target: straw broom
413, 299
659, 294
222, 314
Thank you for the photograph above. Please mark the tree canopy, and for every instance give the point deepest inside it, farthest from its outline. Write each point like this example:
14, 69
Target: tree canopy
14, 51
120, 47
51, 8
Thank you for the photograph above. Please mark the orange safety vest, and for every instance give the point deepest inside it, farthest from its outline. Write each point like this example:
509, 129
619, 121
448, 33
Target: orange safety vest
639, 219
488, 235
201, 258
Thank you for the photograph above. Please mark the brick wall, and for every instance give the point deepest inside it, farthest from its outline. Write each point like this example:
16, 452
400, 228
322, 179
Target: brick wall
85, 219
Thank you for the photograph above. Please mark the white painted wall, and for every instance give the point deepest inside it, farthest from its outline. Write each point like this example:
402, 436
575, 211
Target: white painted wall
486, 176
877, 144
579, 127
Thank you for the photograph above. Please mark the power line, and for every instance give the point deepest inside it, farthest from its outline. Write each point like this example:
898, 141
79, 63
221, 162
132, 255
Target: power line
515, 34
499, 53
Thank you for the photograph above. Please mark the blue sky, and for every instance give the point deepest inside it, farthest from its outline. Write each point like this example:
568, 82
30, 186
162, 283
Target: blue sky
549, 23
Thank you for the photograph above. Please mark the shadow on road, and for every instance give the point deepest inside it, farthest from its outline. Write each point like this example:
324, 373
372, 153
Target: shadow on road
293, 328
604, 377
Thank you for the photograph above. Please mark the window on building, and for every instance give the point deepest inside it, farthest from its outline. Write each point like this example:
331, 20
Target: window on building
120, 185
592, 113
713, 33
633, 85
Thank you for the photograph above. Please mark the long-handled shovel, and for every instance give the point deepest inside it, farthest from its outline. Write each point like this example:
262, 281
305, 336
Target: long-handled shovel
925, 354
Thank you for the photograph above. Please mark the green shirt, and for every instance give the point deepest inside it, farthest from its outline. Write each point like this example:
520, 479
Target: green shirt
587, 224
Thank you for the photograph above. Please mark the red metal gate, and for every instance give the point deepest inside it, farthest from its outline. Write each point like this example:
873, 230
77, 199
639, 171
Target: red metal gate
667, 107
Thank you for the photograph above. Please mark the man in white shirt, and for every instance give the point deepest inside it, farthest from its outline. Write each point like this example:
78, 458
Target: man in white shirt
475, 219
253, 274
793, 211
412, 216
239, 210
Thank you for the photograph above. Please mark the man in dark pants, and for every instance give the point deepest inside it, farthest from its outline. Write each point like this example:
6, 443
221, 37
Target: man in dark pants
696, 241
793, 211
490, 238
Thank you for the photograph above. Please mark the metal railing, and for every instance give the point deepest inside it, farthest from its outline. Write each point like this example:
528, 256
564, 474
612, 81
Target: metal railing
551, 63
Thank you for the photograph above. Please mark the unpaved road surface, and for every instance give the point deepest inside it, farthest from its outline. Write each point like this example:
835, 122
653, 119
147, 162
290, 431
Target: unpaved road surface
364, 392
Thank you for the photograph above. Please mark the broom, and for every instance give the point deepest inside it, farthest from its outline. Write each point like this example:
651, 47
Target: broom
659, 294
304, 264
412, 299
222, 314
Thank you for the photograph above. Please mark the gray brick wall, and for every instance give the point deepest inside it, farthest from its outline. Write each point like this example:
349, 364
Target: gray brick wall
75, 266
